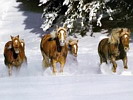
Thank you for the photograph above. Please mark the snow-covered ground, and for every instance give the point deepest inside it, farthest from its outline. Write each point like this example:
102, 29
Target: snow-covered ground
82, 80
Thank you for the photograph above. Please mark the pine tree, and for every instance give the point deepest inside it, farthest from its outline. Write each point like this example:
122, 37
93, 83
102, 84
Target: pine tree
82, 16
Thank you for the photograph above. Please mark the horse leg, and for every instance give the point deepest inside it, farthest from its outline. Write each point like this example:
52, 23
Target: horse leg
101, 60
46, 62
125, 62
9, 70
61, 67
54, 66
114, 64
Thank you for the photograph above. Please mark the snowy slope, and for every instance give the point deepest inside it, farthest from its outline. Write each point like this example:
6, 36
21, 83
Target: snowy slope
81, 81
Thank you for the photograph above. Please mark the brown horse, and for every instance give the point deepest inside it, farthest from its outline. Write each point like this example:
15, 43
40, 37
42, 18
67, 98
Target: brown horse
54, 48
73, 47
115, 47
14, 53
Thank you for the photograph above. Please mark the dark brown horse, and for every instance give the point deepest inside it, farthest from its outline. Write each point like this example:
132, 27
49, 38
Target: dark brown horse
115, 47
54, 49
14, 53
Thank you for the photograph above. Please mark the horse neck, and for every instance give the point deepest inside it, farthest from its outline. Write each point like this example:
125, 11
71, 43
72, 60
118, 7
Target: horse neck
121, 47
59, 48
15, 55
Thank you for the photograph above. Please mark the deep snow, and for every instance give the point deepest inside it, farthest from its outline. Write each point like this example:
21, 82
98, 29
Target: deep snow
82, 80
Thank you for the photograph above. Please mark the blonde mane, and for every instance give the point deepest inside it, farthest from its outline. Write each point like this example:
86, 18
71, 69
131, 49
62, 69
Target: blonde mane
114, 37
116, 33
53, 33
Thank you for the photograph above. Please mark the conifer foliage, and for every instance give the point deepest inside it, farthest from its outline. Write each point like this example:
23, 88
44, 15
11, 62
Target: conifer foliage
82, 16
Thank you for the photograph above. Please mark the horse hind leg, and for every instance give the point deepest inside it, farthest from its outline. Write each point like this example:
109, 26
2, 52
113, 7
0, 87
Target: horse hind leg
45, 62
9, 70
101, 61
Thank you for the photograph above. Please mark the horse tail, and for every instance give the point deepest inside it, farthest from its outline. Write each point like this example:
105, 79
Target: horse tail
103, 50
45, 62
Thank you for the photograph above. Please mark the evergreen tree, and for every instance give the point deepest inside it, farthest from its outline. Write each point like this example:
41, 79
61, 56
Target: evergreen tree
83, 15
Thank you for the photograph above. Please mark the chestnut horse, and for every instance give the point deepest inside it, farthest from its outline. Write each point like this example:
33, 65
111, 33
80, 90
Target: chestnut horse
73, 47
54, 48
14, 53
115, 47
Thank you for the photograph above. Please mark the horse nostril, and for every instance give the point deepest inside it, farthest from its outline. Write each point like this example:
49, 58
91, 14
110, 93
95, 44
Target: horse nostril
126, 48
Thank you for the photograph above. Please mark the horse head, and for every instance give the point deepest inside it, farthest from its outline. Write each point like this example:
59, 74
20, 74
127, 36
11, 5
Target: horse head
124, 38
73, 46
16, 43
61, 34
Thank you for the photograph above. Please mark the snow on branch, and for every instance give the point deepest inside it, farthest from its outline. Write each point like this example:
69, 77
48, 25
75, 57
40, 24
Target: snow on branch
43, 2
49, 18
76, 11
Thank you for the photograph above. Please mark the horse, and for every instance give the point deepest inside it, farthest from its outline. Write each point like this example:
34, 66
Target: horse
73, 53
115, 47
14, 53
73, 47
54, 49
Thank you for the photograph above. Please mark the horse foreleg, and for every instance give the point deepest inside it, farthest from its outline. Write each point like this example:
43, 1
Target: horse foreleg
54, 66
9, 70
114, 64
125, 62
61, 67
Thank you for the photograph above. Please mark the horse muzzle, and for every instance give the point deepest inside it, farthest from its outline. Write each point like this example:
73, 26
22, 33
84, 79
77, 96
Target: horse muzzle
16, 50
126, 49
62, 42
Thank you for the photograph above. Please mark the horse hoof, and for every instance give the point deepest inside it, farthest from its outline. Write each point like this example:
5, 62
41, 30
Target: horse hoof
114, 70
125, 67
54, 72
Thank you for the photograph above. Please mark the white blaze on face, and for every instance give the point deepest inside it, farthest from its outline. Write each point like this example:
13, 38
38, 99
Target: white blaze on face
16, 41
22, 44
75, 48
125, 36
62, 35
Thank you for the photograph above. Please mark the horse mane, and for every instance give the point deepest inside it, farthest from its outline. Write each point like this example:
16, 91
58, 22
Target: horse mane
114, 37
116, 33
73, 41
125, 31
53, 33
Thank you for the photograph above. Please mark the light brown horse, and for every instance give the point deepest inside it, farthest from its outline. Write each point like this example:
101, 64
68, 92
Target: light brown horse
14, 53
115, 47
73, 47
54, 48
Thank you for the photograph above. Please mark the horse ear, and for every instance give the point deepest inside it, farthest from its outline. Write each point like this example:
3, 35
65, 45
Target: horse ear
57, 27
121, 30
70, 42
65, 26
129, 30
11, 37
17, 36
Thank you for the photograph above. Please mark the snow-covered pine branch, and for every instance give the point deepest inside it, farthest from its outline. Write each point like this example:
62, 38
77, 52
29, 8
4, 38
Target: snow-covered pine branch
79, 14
